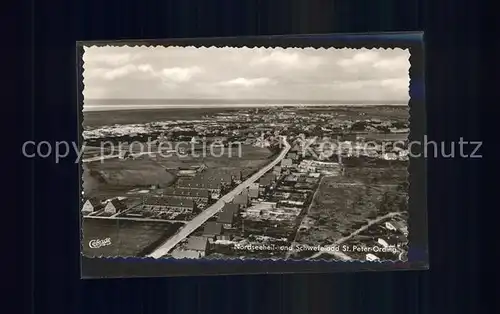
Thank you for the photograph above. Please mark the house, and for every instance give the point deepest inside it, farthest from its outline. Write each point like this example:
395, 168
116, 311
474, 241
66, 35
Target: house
200, 196
390, 156
197, 245
186, 172
168, 203
393, 241
266, 181
186, 254
296, 148
234, 209
114, 206
250, 141
225, 237
91, 205
236, 175
241, 200
293, 156
222, 178
349, 137
226, 218
253, 190
277, 170
213, 230
219, 139
371, 257
287, 162
212, 187
397, 226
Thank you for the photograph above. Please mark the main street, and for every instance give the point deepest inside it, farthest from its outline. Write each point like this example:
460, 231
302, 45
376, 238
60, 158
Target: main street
194, 224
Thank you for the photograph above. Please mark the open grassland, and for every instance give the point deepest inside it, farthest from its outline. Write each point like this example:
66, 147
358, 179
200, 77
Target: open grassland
121, 175
345, 204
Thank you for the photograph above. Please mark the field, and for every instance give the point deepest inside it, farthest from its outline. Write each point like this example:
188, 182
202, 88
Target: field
101, 118
396, 113
114, 176
128, 238
344, 204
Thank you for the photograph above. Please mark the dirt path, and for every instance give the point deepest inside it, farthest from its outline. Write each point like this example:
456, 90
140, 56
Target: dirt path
353, 234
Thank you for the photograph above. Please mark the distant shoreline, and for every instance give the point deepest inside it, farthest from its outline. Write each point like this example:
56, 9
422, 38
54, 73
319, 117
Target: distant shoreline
91, 108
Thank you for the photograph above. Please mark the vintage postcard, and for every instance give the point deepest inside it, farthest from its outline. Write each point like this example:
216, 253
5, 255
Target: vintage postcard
269, 153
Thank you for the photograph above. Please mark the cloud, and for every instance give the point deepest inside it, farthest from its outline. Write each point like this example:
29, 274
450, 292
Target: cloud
359, 59
286, 59
396, 84
169, 75
111, 59
119, 72
246, 73
393, 64
248, 83
180, 75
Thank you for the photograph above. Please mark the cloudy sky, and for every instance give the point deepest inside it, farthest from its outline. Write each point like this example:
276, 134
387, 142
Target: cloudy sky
243, 73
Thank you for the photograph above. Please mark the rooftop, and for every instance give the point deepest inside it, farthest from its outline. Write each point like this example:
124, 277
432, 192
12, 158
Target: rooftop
118, 204
212, 228
169, 201
197, 243
94, 202
226, 217
230, 207
198, 184
186, 192
241, 199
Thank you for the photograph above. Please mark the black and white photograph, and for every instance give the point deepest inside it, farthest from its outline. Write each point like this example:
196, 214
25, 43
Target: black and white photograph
245, 153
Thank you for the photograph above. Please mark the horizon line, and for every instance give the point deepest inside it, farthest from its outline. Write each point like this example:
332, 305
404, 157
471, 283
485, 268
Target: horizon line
229, 106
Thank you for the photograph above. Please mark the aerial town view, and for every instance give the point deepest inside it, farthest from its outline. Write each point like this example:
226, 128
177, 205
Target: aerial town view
245, 153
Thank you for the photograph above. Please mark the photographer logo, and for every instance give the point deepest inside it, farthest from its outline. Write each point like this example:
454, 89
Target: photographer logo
98, 243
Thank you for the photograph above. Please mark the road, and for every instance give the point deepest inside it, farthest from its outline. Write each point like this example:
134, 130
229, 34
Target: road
212, 210
353, 234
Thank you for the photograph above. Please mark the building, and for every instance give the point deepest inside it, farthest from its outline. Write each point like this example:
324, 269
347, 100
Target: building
371, 257
198, 195
277, 171
266, 180
388, 242
226, 218
114, 206
253, 190
291, 203
232, 208
213, 230
236, 176
296, 148
197, 245
195, 184
242, 200
390, 156
91, 205
293, 156
168, 203
222, 178
186, 254
287, 162
250, 141
186, 172
397, 226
